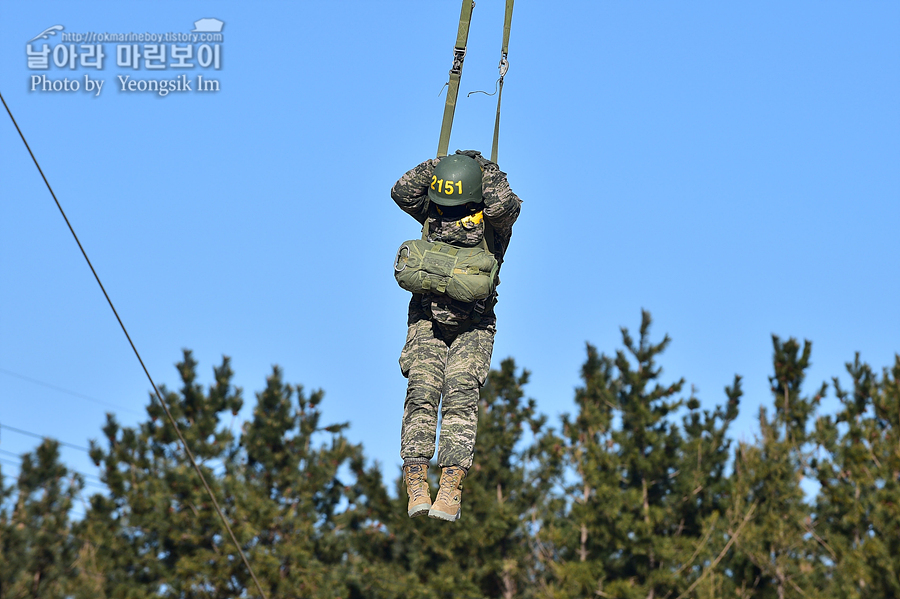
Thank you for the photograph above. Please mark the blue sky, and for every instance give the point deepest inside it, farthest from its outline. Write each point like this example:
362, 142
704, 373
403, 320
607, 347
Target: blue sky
732, 168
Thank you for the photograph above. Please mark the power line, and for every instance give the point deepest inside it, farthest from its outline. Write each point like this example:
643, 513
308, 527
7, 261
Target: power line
162, 402
209, 464
16, 455
70, 470
62, 390
30, 434
92, 484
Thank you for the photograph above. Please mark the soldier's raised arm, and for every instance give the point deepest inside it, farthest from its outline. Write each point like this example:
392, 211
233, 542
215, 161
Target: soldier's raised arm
410, 192
501, 204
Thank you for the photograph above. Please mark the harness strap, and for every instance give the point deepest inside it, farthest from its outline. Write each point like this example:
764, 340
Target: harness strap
459, 55
487, 239
504, 66
487, 243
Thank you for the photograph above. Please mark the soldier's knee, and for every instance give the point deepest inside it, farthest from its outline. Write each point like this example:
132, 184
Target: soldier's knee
471, 361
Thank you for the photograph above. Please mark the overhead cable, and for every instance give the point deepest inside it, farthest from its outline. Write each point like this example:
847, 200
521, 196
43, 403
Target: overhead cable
31, 434
61, 390
162, 402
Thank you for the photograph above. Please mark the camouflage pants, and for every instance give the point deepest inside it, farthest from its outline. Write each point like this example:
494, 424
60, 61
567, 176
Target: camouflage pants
437, 367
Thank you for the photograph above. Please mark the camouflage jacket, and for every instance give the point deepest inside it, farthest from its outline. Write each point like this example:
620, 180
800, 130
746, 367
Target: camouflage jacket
501, 209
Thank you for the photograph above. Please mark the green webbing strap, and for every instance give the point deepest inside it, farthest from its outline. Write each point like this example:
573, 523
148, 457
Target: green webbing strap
507, 24
487, 238
504, 65
459, 54
497, 125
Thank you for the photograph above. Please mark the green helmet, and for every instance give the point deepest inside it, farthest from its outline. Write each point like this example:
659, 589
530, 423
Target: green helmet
456, 181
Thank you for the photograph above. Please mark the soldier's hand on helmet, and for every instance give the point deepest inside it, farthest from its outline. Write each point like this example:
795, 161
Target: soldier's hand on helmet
470, 153
433, 162
426, 168
483, 162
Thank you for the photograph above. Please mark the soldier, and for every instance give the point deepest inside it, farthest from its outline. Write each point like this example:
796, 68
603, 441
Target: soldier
447, 354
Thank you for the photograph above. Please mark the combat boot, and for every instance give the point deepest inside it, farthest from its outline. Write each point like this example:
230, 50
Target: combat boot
446, 506
417, 489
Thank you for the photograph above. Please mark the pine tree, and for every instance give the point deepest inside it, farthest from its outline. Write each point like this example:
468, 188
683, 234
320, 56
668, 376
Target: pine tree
157, 529
293, 494
576, 535
158, 532
11, 538
631, 499
858, 506
39, 550
705, 490
776, 553
644, 491
511, 482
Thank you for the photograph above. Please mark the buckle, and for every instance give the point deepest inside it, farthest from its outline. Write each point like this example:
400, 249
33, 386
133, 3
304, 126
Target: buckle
504, 66
459, 55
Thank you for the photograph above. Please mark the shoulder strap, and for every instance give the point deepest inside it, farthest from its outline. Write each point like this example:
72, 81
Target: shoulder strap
487, 241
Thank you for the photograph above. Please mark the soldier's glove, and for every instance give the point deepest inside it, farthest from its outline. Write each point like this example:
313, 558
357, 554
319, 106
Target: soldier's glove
483, 162
426, 168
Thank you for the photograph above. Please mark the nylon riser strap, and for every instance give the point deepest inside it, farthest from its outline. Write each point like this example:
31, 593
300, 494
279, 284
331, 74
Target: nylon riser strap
449, 110
496, 144
459, 54
504, 51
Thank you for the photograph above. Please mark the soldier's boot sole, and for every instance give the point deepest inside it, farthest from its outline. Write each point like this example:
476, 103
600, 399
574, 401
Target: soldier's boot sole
439, 515
419, 510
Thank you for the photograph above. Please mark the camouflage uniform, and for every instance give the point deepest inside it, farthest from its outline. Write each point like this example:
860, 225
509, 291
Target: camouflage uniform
448, 344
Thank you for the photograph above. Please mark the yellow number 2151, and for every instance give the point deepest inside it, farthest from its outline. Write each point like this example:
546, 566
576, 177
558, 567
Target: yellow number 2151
446, 187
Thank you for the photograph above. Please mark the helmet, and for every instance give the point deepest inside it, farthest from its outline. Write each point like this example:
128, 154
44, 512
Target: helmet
456, 181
